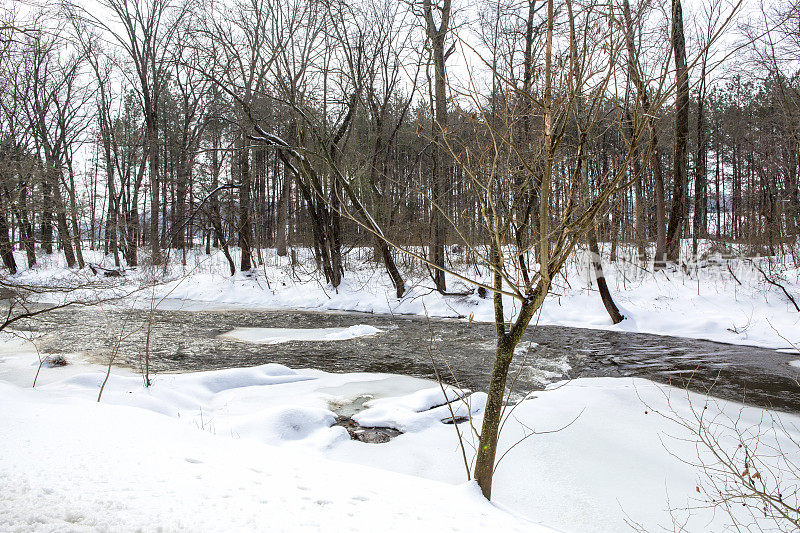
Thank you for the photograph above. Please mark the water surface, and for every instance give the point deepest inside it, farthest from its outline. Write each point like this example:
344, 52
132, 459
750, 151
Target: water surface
458, 351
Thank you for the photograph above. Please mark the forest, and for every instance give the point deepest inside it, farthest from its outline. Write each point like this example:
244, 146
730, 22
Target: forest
512, 163
144, 128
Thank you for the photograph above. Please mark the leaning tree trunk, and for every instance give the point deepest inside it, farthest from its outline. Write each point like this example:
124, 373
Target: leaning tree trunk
582, 171
600, 278
506, 341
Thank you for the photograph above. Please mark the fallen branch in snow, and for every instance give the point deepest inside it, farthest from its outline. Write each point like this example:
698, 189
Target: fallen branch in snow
728, 264
107, 272
776, 284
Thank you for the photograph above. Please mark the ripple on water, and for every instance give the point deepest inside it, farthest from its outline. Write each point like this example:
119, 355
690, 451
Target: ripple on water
461, 352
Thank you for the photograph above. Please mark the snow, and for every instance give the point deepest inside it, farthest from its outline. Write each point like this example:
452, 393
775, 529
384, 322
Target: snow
719, 299
255, 448
420, 409
80, 466
279, 335
194, 453
258, 448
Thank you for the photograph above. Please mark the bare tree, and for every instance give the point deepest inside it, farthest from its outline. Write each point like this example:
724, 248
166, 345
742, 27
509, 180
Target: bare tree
146, 31
644, 101
437, 15
681, 157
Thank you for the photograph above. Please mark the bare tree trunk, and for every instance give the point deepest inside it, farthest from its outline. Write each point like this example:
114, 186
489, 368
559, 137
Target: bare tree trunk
700, 188
717, 190
47, 212
51, 173
216, 217
582, 170
507, 341
153, 157
134, 230
20, 212
677, 216
245, 231
661, 201
181, 192
6, 249
600, 278
73, 207
436, 36
655, 156
640, 233
530, 203
281, 225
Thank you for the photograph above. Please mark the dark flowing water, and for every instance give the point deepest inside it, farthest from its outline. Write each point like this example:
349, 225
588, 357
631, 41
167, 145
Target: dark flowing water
459, 351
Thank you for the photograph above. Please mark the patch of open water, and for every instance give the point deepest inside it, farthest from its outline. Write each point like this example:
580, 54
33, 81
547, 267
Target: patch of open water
459, 351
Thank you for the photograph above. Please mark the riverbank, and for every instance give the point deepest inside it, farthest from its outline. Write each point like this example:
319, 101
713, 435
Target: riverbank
723, 300
257, 448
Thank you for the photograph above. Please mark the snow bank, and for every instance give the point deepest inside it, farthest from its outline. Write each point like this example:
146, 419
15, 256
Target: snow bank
279, 335
255, 448
80, 466
420, 409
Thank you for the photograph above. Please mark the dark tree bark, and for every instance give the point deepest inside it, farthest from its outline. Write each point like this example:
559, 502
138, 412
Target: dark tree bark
61, 216
6, 249
653, 149
151, 137
600, 278
46, 213
582, 171
700, 221
281, 224
245, 231
436, 38
73, 210
677, 216
215, 216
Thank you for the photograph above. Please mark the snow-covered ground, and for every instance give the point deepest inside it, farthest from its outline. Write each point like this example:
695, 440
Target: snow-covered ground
723, 300
256, 449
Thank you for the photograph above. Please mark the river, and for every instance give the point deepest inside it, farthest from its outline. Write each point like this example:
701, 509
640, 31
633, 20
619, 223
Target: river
461, 352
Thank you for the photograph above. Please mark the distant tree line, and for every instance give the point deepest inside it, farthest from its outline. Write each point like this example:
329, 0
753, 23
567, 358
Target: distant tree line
153, 127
